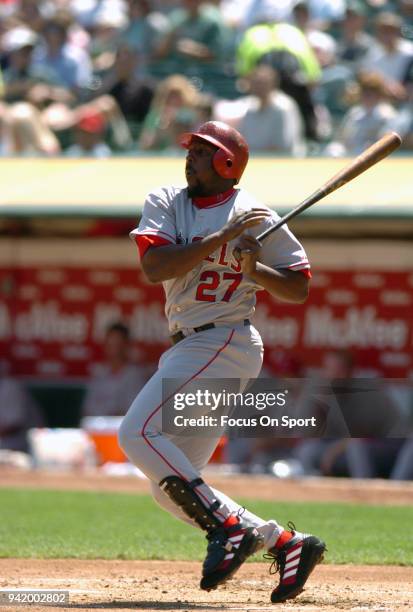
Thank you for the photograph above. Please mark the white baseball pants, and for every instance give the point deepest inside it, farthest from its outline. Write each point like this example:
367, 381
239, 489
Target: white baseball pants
223, 352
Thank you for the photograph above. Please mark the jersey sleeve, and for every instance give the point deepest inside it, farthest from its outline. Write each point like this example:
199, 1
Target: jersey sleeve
158, 217
281, 249
146, 241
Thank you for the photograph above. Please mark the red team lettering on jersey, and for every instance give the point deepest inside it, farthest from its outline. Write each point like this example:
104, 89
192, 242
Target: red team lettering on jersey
215, 290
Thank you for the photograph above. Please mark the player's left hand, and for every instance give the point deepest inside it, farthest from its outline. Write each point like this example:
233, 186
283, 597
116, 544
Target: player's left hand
247, 252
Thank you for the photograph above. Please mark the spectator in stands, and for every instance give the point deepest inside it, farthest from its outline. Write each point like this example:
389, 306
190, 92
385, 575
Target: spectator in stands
286, 49
105, 35
112, 390
272, 121
59, 62
392, 55
18, 44
133, 93
301, 16
176, 100
194, 44
24, 78
28, 135
368, 120
89, 136
329, 93
354, 42
145, 29
18, 414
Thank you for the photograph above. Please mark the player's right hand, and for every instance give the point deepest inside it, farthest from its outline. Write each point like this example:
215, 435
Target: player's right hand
242, 221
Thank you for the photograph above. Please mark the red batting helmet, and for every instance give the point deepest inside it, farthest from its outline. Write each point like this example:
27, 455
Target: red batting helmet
232, 155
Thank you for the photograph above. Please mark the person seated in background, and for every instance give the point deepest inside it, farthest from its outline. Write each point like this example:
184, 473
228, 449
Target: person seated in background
59, 62
18, 413
112, 390
337, 78
174, 97
28, 134
199, 45
18, 44
144, 30
89, 136
367, 121
286, 49
353, 42
272, 122
132, 93
392, 54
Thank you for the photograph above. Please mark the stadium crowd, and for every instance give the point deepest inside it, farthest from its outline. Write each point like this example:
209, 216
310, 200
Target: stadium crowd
97, 77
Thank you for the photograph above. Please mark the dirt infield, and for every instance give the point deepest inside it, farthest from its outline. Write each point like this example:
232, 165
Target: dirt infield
166, 586
160, 585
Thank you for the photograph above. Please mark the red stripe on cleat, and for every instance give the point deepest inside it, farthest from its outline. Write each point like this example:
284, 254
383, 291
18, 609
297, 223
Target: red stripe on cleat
290, 580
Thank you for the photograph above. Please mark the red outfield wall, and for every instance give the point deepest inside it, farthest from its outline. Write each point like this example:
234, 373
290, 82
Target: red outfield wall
53, 315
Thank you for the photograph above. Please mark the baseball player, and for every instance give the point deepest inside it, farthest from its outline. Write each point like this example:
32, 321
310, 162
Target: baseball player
199, 241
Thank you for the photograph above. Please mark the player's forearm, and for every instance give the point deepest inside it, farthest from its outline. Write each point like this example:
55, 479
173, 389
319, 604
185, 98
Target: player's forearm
165, 262
283, 284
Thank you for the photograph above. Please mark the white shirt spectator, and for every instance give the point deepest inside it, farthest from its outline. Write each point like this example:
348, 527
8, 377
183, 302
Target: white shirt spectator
278, 127
70, 68
393, 65
361, 127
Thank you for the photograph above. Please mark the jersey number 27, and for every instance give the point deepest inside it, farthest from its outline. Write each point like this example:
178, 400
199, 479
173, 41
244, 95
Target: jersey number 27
210, 282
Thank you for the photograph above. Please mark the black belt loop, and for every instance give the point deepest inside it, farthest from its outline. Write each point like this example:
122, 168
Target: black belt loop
175, 338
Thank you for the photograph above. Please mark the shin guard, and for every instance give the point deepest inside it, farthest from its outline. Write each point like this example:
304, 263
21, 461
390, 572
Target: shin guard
183, 494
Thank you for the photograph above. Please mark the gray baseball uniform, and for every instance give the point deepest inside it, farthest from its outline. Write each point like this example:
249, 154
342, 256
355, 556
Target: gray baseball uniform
214, 291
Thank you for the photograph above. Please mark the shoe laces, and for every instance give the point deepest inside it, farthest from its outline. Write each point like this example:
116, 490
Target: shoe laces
275, 566
277, 556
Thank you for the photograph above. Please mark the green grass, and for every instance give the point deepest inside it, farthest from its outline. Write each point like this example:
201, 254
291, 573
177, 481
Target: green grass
56, 524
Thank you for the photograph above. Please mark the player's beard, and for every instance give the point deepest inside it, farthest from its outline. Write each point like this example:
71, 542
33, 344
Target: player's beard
196, 190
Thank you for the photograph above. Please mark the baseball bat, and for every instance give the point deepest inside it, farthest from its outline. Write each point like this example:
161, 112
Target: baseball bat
371, 156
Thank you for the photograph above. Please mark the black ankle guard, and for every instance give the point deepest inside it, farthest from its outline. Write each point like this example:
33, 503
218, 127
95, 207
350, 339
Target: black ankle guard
183, 494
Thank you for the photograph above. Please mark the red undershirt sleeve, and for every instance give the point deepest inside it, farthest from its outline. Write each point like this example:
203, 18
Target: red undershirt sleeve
144, 242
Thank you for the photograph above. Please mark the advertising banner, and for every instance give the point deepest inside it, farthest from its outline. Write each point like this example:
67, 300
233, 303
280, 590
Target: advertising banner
53, 319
